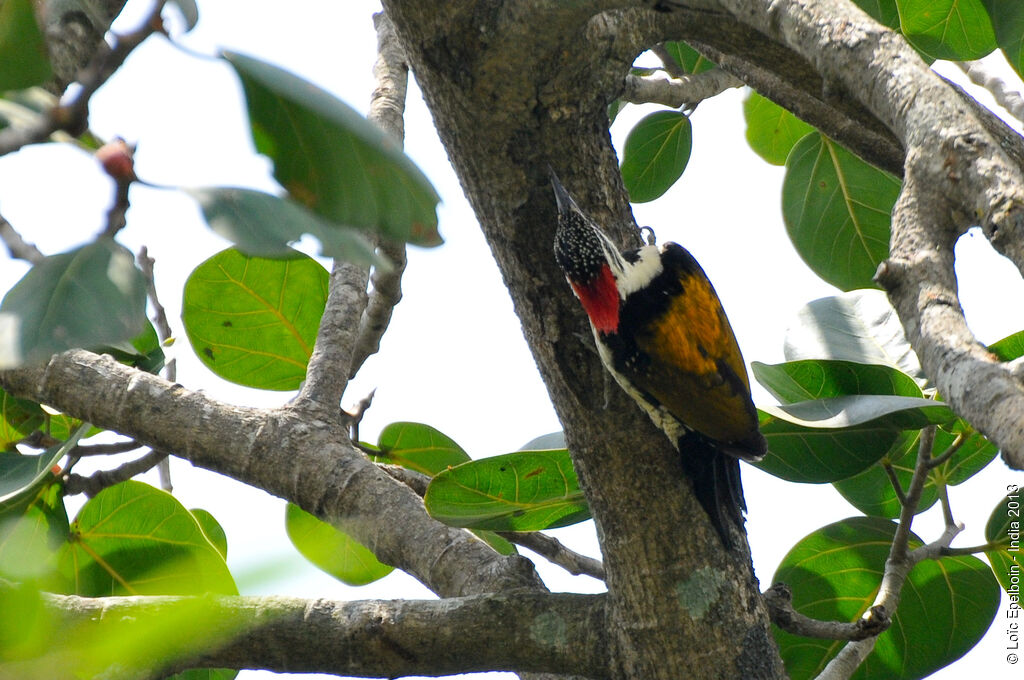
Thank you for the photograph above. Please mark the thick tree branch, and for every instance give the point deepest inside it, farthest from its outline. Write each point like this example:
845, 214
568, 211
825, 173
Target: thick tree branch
514, 89
678, 91
1008, 98
780, 605
287, 452
531, 631
959, 170
328, 369
74, 32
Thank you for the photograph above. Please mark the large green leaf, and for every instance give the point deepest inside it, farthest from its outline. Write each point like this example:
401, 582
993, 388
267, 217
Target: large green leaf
859, 326
254, 320
23, 57
688, 59
837, 211
523, 491
331, 550
948, 29
1008, 22
419, 447
824, 378
88, 297
812, 455
872, 493
946, 605
133, 539
1004, 529
265, 225
656, 153
855, 410
334, 161
772, 131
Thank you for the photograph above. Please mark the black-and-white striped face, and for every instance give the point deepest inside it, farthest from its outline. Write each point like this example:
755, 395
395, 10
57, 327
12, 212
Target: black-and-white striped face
581, 248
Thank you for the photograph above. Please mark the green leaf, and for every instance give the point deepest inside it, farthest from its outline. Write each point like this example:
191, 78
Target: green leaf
22, 475
31, 531
688, 59
656, 153
133, 539
24, 60
871, 491
331, 550
859, 326
143, 352
1008, 22
254, 320
88, 297
264, 225
837, 211
945, 608
334, 161
1009, 348
419, 447
812, 455
18, 419
772, 131
1004, 529
882, 11
824, 378
523, 491
880, 410
948, 29
212, 529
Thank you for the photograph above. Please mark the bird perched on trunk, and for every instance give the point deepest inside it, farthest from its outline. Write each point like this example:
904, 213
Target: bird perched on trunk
663, 335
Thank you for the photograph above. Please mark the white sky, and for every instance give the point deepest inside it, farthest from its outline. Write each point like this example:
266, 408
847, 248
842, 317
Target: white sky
455, 356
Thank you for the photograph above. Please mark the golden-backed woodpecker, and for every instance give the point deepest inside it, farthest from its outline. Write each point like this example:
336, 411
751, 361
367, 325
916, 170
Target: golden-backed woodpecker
663, 335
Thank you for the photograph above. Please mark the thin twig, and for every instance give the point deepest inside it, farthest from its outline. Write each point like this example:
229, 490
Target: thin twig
73, 116
354, 417
672, 67
949, 452
555, 552
387, 108
973, 550
947, 512
897, 566
164, 333
84, 450
96, 482
890, 471
17, 246
677, 92
416, 481
779, 599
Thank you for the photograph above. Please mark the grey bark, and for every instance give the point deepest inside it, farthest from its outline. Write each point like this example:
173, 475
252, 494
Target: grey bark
514, 87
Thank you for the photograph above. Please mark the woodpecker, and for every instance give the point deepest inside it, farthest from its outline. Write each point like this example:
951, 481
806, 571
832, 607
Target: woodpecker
661, 332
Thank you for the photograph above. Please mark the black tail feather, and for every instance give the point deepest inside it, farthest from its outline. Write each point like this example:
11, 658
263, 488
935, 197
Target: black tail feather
716, 483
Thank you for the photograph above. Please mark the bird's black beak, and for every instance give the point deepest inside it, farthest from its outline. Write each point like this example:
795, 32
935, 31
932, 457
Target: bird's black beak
562, 197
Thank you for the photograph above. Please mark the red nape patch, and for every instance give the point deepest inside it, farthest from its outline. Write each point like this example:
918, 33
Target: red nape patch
601, 301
